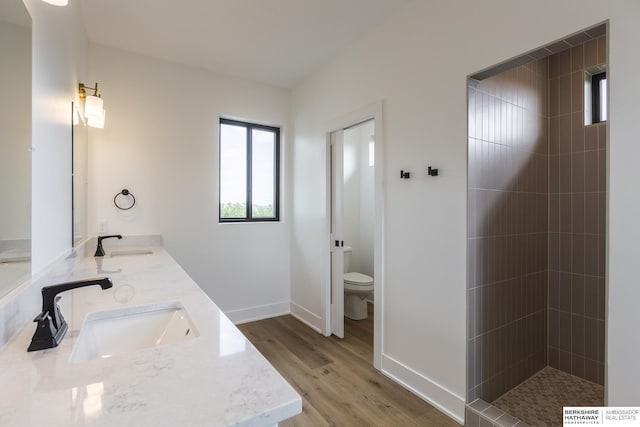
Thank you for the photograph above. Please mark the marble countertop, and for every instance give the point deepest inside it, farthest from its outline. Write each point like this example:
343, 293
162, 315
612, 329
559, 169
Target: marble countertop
215, 379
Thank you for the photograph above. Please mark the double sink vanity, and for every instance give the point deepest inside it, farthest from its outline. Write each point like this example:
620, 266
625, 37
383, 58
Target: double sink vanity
151, 350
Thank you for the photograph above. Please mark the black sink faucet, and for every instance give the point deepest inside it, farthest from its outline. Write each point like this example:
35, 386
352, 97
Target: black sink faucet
51, 325
99, 250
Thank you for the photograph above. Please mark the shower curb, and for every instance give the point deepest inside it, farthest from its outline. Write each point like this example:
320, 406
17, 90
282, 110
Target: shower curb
482, 414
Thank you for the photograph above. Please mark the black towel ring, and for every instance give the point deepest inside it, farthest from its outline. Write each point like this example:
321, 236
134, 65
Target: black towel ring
125, 193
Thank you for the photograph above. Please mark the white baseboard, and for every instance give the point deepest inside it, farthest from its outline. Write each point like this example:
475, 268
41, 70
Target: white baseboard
310, 319
445, 400
250, 314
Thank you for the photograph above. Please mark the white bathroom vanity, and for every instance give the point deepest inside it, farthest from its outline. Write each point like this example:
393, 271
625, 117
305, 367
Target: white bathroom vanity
211, 376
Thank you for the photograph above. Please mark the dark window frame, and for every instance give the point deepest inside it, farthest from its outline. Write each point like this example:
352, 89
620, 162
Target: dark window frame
596, 108
249, 158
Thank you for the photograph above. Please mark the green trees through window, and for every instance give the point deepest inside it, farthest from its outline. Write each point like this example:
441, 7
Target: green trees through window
249, 172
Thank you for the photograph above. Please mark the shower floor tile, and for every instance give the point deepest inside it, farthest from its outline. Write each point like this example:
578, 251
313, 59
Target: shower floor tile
539, 400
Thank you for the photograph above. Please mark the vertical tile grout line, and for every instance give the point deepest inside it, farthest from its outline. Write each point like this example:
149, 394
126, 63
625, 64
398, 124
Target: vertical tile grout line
549, 264
571, 256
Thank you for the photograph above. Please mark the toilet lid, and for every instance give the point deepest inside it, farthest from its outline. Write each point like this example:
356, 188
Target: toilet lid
358, 279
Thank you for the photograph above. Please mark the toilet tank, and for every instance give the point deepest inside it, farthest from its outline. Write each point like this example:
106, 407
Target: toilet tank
347, 258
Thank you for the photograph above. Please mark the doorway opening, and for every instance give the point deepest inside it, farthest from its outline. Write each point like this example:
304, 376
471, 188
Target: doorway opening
354, 183
537, 199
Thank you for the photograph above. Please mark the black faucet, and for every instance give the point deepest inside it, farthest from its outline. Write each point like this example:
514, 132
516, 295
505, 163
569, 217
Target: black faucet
51, 325
99, 250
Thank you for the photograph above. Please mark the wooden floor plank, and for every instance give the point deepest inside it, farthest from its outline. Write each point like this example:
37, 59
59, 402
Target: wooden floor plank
361, 329
358, 348
317, 394
312, 356
309, 417
335, 377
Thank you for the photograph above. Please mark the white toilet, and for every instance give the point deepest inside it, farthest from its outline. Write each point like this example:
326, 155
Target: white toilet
357, 287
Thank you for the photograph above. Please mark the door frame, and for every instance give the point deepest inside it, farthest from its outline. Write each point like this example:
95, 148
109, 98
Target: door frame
374, 112
337, 233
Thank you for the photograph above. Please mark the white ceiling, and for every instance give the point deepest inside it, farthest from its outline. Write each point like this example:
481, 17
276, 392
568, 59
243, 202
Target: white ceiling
273, 41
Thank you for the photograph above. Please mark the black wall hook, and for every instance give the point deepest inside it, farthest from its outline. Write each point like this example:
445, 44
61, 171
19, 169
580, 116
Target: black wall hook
405, 175
432, 172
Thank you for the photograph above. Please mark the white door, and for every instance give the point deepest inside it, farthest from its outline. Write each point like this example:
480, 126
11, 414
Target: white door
337, 237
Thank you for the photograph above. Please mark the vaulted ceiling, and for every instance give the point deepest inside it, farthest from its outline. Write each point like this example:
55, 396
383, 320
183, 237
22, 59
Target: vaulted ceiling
279, 42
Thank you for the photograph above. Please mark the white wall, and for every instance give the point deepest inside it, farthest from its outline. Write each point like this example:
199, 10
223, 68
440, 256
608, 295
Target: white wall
358, 197
160, 141
59, 48
417, 62
59, 64
366, 195
351, 195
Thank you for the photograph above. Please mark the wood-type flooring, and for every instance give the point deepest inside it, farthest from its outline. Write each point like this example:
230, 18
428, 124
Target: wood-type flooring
336, 378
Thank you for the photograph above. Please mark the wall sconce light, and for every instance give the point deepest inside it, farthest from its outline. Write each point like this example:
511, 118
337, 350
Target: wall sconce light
98, 122
93, 105
57, 2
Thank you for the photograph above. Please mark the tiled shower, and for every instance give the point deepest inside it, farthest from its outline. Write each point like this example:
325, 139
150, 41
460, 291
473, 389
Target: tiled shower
536, 227
577, 210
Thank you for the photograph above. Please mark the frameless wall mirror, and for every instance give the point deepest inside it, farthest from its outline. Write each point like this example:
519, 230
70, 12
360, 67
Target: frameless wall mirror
15, 145
79, 173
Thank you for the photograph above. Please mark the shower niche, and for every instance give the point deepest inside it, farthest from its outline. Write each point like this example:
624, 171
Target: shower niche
536, 235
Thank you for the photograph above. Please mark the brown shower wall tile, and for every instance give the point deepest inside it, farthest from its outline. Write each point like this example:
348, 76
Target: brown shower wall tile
564, 173
564, 134
508, 228
577, 58
564, 93
602, 212
602, 50
564, 62
577, 239
554, 96
564, 291
554, 131
591, 171
591, 53
602, 135
602, 170
577, 172
564, 213
553, 66
577, 92
577, 131
591, 138
537, 206
577, 213
591, 300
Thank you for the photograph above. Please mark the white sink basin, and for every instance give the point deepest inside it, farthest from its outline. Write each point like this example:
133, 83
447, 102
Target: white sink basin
128, 252
109, 333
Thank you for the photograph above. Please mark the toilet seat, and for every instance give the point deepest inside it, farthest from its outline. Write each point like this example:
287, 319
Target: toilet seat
358, 279
358, 282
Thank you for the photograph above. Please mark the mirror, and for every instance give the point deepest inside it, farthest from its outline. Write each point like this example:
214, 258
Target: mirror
79, 175
15, 145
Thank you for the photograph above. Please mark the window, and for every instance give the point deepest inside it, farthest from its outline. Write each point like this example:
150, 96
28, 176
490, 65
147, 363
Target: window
599, 97
595, 95
249, 172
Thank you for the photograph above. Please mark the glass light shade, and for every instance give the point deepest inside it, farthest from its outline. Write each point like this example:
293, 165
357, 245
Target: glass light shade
93, 107
57, 2
97, 122
372, 152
